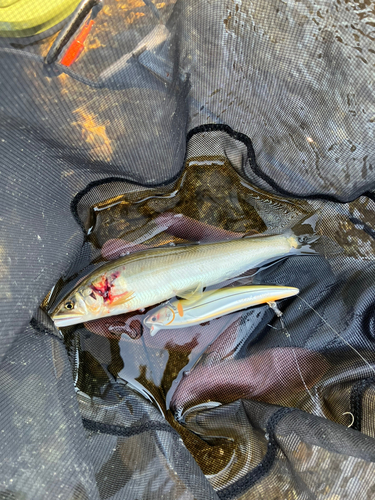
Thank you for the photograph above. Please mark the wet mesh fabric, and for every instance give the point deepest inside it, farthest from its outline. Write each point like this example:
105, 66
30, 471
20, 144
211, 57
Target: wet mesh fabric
237, 118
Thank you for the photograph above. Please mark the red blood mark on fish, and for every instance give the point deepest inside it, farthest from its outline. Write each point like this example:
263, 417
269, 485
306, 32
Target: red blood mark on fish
114, 276
104, 287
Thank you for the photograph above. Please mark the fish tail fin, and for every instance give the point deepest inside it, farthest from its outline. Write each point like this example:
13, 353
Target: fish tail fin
304, 243
313, 244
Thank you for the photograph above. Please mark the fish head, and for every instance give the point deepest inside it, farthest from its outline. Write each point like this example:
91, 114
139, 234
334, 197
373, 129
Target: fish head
160, 318
82, 305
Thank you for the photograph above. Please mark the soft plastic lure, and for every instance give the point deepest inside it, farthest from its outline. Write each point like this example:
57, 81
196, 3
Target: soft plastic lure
211, 305
150, 277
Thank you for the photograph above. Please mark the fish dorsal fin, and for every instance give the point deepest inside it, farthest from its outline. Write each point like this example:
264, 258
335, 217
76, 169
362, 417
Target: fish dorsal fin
191, 294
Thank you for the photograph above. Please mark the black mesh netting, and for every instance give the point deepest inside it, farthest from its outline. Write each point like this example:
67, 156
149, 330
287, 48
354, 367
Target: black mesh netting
183, 122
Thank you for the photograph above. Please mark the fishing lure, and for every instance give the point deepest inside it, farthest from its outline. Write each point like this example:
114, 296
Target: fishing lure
211, 305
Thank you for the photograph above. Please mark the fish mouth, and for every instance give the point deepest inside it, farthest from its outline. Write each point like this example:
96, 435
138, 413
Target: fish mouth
63, 320
147, 322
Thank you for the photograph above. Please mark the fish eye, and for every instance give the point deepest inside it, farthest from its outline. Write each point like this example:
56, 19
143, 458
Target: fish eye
69, 305
153, 318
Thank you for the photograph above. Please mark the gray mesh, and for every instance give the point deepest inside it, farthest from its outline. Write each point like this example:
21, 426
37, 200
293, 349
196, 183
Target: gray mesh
276, 99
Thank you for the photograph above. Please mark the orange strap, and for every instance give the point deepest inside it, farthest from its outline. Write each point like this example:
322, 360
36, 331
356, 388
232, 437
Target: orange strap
77, 45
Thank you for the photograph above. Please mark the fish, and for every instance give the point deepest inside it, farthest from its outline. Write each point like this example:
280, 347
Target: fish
150, 277
212, 305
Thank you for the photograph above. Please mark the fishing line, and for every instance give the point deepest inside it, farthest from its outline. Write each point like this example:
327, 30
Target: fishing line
337, 333
279, 314
148, 358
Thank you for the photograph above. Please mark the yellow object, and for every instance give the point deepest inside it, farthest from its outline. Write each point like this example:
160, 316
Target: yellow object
22, 18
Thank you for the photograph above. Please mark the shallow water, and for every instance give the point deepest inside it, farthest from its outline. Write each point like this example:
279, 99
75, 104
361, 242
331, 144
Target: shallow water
242, 355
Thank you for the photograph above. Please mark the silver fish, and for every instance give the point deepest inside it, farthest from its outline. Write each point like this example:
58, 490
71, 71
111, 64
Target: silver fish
150, 277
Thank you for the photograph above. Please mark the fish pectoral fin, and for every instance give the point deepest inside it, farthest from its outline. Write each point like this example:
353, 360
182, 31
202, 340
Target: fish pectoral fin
122, 298
190, 294
154, 330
